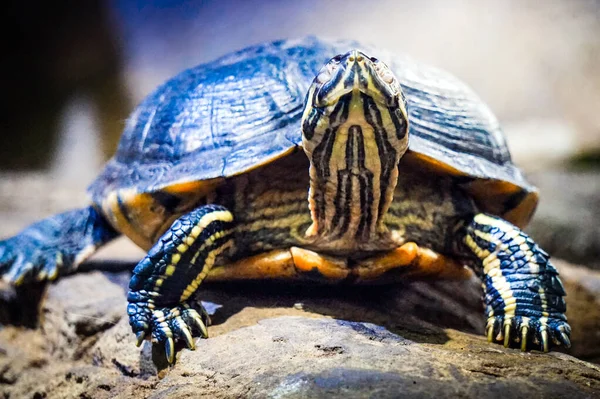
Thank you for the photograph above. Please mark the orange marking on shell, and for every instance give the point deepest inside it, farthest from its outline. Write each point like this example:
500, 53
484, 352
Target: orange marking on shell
308, 261
490, 195
440, 266
295, 263
424, 263
277, 264
198, 188
423, 161
373, 268
136, 224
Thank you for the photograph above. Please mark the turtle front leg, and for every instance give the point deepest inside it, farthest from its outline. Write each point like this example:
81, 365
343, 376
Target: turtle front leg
523, 293
170, 273
54, 246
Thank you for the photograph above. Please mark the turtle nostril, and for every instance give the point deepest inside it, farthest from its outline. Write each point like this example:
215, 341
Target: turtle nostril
359, 58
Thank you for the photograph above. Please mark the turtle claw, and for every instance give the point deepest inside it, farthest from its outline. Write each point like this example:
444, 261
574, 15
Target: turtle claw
523, 331
492, 328
170, 350
168, 325
193, 318
545, 342
202, 328
563, 337
490, 332
507, 333
185, 333
140, 337
524, 335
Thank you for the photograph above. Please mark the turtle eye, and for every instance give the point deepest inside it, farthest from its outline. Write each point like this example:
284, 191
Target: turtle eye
373, 59
337, 58
387, 76
383, 71
325, 73
323, 76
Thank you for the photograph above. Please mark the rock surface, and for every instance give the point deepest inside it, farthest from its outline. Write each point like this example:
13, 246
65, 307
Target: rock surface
279, 341
583, 310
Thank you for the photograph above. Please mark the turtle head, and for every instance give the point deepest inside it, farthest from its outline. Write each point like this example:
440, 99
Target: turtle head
354, 131
355, 72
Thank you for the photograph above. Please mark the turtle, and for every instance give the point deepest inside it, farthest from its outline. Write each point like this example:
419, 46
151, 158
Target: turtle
308, 160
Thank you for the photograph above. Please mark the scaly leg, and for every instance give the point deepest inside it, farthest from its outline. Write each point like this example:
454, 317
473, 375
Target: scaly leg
170, 273
53, 246
523, 293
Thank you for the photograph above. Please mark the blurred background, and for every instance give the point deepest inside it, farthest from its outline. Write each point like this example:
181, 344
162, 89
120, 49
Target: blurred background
73, 70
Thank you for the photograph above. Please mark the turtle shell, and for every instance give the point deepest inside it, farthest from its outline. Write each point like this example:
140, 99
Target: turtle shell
243, 110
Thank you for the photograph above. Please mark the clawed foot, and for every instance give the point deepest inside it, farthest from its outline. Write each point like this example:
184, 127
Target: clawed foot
542, 332
23, 261
168, 325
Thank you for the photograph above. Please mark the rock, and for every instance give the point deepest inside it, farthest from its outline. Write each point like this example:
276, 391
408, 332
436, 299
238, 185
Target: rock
567, 221
276, 340
91, 302
538, 143
28, 197
303, 357
583, 309
116, 349
76, 312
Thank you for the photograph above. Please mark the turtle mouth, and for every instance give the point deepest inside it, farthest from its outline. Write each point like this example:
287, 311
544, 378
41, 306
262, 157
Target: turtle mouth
355, 72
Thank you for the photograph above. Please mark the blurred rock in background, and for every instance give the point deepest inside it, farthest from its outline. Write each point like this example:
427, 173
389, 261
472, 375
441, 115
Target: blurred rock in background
567, 220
